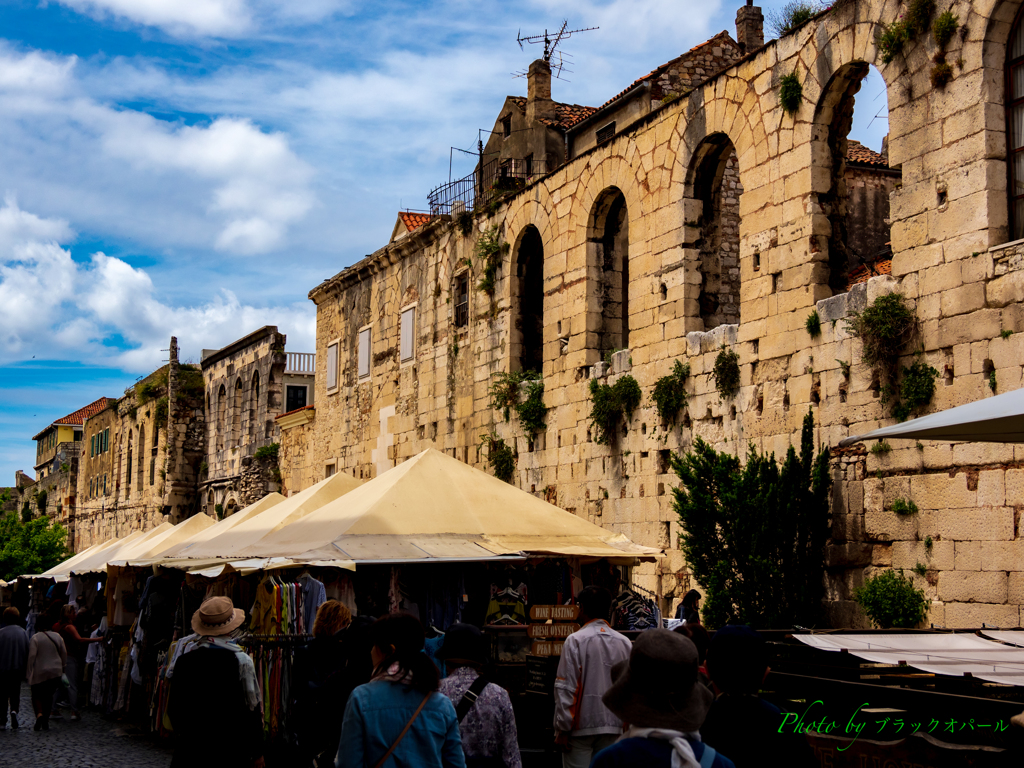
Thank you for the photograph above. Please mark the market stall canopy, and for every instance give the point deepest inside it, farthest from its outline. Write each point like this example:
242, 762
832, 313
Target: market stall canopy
220, 526
434, 507
143, 552
234, 542
1010, 636
938, 654
61, 571
998, 419
97, 561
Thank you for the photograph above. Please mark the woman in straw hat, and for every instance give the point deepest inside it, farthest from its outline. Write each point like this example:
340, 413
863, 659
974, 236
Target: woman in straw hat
214, 704
658, 698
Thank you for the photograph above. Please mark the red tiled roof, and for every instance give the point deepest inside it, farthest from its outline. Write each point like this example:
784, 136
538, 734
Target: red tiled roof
865, 272
858, 153
652, 74
414, 220
565, 114
77, 418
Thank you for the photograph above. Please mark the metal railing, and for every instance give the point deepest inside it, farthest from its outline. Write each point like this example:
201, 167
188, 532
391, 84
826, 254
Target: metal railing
486, 183
303, 363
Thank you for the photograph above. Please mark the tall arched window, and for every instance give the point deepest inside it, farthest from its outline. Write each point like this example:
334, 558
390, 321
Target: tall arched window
609, 237
142, 454
1015, 125
529, 323
254, 404
222, 417
236, 415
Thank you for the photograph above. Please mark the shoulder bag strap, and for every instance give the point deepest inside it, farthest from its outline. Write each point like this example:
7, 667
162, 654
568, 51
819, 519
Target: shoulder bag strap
707, 758
469, 697
404, 731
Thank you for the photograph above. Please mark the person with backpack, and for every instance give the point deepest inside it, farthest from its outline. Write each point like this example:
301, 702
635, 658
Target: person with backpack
658, 694
484, 710
399, 718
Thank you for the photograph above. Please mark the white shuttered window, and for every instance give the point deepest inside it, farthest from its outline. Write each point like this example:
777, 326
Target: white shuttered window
364, 353
332, 366
408, 331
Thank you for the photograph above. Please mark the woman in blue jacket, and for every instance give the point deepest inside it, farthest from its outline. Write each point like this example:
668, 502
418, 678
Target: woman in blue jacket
399, 719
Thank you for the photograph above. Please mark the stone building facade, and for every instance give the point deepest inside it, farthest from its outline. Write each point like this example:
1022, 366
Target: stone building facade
245, 392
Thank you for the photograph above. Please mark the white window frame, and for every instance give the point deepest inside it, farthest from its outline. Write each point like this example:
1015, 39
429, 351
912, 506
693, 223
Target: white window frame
332, 369
407, 355
364, 354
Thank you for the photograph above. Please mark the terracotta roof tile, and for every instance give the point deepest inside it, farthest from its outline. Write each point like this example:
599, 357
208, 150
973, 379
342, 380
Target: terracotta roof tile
858, 153
565, 114
654, 73
414, 220
77, 418
865, 272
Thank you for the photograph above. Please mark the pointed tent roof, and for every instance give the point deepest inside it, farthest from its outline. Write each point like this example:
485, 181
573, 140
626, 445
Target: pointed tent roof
149, 548
62, 571
236, 541
219, 527
97, 561
435, 507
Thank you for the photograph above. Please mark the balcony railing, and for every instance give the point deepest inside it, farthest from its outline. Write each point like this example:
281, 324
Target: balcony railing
486, 183
302, 363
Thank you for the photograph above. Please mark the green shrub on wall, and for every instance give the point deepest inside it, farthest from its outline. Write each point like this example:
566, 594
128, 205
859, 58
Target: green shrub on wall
891, 601
726, 373
610, 404
500, 456
669, 393
506, 393
791, 92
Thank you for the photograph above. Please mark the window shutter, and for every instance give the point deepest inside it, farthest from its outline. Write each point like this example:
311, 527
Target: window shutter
408, 327
332, 366
364, 353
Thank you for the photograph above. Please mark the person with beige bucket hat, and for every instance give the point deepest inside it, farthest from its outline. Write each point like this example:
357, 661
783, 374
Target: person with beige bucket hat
214, 705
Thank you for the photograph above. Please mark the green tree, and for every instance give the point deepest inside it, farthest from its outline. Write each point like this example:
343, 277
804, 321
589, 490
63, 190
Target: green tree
30, 547
754, 535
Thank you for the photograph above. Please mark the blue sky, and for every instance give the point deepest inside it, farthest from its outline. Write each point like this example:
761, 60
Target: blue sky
194, 167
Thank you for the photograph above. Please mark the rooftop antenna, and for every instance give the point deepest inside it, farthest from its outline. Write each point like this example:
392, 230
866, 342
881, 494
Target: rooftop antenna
555, 57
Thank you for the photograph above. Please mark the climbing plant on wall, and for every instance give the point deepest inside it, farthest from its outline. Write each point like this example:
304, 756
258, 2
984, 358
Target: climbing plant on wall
490, 250
500, 456
669, 393
522, 392
726, 372
610, 404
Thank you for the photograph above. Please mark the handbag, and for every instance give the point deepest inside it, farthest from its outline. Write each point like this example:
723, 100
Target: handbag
404, 731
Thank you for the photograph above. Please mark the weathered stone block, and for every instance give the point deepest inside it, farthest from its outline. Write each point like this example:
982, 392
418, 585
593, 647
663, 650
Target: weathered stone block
972, 586
967, 615
992, 524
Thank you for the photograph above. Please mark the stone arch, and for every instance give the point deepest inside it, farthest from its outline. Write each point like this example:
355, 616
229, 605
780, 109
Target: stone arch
527, 349
845, 249
712, 206
129, 467
222, 417
142, 456
236, 414
1004, 41
254, 404
608, 265
230, 507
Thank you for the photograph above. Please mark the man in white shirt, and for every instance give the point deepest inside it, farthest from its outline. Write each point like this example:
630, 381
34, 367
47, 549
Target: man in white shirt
583, 724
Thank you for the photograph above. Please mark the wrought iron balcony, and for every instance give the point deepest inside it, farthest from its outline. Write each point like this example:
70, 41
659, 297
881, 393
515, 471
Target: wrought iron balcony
487, 183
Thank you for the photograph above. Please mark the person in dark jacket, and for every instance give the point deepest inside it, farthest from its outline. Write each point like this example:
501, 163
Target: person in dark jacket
319, 685
13, 662
657, 693
214, 706
737, 665
689, 609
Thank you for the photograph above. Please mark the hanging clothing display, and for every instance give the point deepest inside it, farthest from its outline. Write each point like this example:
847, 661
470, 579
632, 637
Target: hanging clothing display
314, 594
506, 607
633, 611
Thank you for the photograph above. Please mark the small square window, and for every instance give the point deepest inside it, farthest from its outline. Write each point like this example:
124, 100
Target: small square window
408, 331
462, 300
329, 470
295, 398
506, 126
604, 134
364, 353
332, 366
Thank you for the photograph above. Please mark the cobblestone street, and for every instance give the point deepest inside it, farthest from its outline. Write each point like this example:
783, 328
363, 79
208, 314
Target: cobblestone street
91, 743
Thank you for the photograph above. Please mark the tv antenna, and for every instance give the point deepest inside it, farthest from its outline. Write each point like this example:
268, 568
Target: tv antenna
553, 55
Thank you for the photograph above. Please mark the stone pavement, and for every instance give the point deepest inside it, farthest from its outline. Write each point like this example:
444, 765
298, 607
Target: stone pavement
91, 743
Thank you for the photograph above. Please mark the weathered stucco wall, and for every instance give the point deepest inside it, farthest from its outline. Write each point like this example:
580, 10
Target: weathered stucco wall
949, 211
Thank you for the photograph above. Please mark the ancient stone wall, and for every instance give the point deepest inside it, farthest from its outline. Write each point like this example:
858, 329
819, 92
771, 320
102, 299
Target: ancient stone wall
948, 218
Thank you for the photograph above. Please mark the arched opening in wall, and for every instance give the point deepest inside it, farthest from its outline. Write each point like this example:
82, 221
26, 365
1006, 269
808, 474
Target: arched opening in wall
222, 417
852, 146
608, 240
129, 468
716, 185
254, 404
528, 335
230, 508
1015, 125
236, 415
142, 455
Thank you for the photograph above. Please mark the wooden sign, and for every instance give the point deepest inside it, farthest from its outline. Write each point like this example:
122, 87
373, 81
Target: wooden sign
547, 647
551, 630
554, 612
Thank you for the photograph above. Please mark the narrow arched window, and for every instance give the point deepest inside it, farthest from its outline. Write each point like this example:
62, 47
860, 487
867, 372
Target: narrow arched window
1015, 125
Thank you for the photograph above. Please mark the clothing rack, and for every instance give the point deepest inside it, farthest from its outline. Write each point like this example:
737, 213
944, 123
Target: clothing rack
274, 639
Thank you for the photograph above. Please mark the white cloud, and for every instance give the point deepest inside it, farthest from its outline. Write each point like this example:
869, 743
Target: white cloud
53, 307
217, 18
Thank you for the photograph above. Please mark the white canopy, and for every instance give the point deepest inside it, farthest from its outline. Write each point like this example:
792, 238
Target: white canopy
998, 419
96, 560
220, 526
939, 654
1009, 636
143, 551
434, 507
236, 541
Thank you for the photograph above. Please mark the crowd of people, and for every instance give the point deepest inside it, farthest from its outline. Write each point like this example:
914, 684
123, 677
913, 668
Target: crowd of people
365, 692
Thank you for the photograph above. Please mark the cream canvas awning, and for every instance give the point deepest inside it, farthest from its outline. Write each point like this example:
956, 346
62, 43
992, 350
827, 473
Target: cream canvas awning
998, 419
433, 507
220, 526
97, 561
1010, 636
939, 654
143, 551
235, 541
61, 571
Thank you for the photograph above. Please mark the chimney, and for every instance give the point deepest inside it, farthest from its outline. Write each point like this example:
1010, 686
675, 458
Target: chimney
749, 27
538, 92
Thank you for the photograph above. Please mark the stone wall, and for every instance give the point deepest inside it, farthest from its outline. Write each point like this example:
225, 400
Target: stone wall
296, 455
948, 213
